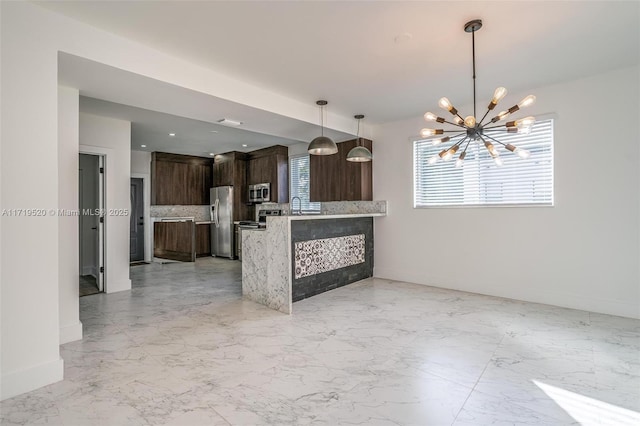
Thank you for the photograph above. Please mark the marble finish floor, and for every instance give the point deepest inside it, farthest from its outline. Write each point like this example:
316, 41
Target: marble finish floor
183, 348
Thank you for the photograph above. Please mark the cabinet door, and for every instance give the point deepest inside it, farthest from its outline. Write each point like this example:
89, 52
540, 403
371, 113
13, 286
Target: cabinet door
174, 240
325, 174
222, 170
203, 240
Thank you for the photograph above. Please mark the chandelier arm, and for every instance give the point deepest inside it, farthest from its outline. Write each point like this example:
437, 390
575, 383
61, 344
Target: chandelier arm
450, 131
495, 140
494, 128
484, 116
457, 143
467, 146
455, 124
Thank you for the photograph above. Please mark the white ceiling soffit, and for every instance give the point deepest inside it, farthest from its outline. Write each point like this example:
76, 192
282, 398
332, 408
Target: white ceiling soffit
385, 59
99, 81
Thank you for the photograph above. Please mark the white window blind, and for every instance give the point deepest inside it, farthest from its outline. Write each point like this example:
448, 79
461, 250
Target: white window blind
299, 183
479, 181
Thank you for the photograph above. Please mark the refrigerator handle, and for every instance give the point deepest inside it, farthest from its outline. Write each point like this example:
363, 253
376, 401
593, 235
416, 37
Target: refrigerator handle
217, 213
212, 212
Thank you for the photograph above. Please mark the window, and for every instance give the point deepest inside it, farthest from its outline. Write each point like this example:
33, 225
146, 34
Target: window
480, 182
299, 183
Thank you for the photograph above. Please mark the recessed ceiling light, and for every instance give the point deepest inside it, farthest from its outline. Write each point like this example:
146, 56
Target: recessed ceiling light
244, 145
143, 146
213, 131
172, 134
211, 154
228, 122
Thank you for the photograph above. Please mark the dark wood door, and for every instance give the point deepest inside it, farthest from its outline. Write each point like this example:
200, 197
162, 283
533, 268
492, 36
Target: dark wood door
136, 228
174, 240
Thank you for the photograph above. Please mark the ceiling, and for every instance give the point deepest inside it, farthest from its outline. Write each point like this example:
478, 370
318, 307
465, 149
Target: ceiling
193, 137
388, 60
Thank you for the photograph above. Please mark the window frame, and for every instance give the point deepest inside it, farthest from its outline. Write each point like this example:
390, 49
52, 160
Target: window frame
293, 158
414, 140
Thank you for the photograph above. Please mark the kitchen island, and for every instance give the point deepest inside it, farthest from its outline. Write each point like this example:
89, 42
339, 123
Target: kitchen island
297, 257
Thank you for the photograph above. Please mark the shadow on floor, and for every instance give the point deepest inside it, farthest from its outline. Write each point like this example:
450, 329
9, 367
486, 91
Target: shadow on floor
88, 285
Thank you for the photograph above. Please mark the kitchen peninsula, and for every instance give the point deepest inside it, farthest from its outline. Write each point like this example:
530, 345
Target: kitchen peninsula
300, 256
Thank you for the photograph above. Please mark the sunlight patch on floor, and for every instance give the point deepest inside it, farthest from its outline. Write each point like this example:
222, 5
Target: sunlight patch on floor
589, 411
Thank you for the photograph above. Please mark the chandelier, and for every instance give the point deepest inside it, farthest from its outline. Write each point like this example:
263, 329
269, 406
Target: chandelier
470, 128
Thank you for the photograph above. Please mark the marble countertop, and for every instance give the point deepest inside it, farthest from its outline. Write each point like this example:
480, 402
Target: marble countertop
333, 216
173, 219
204, 222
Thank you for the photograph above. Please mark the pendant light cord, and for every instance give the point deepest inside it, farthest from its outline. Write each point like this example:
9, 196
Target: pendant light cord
358, 134
322, 120
473, 52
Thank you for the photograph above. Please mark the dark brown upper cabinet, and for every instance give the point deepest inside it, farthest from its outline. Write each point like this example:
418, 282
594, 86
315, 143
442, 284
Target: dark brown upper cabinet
333, 178
230, 169
180, 179
271, 165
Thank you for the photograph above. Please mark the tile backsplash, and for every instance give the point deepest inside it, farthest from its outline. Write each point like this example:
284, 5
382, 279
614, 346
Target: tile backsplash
199, 213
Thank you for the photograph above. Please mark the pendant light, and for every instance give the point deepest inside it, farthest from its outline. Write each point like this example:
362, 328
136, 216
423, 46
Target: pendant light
359, 154
473, 130
322, 145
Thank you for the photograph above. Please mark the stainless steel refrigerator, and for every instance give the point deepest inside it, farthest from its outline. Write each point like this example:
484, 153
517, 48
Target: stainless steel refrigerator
222, 221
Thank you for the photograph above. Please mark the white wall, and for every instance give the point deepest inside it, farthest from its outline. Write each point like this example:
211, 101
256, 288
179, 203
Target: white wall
68, 128
29, 176
102, 135
583, 253
141, 168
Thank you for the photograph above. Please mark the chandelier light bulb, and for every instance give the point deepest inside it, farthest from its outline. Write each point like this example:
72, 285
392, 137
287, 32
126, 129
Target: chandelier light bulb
498, 95
529, 100
520, 130
438, 141
492, 149
429, 116
498, 161
457, 119
523, 122
470, 121
445, 104
425, 133
450, 153
433, 159
460, 160
522, 153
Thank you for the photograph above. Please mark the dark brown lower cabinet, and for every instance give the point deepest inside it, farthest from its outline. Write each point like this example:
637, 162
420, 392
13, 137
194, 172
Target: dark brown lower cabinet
203, 240
175, 240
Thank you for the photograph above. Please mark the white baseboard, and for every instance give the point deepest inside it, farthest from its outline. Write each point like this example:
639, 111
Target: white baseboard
557, 298
22, 381
113, 287
70, 333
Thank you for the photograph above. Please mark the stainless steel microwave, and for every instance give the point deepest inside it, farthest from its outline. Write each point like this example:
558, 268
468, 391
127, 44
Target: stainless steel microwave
260, 193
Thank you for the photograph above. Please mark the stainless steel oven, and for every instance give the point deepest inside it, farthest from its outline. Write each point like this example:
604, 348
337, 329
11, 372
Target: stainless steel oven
260, 193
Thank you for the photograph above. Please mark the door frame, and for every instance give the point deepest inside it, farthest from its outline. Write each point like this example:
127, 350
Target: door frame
105, 156
146, 201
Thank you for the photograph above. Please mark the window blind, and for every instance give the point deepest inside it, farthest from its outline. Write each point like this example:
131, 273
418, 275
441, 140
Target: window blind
299, 183
479, 181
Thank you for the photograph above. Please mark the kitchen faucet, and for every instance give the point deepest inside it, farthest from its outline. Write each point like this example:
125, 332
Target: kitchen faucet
299, 212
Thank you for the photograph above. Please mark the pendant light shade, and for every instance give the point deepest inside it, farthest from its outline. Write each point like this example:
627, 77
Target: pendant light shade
322, 145
359, 154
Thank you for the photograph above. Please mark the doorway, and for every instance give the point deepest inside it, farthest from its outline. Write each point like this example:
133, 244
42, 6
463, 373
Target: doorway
91, 224
136, 228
